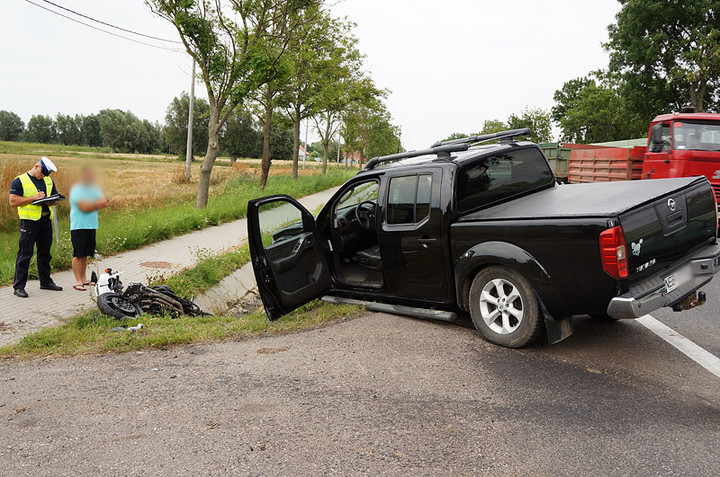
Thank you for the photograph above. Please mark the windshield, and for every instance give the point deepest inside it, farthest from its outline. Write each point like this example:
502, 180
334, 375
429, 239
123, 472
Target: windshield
696, 136
366, 191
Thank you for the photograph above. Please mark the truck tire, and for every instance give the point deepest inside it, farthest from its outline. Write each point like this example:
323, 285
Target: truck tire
117, 306
504, 308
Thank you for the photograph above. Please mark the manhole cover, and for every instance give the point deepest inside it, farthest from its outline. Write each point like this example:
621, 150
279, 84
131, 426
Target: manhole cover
157, 264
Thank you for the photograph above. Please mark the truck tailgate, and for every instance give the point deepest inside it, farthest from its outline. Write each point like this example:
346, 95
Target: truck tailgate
660, 233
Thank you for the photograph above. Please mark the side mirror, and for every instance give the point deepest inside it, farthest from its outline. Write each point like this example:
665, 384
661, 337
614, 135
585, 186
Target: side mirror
656, 140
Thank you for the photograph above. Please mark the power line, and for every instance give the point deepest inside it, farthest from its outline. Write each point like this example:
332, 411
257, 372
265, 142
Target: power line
110, 25
104, 31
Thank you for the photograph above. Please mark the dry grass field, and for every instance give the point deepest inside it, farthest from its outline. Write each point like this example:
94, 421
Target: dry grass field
132, 182
148, 197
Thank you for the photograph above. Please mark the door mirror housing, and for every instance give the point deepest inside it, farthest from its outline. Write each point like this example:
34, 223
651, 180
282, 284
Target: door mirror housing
656, 139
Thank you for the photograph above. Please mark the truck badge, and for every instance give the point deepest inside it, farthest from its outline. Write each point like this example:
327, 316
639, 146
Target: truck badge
636, 246
671, 204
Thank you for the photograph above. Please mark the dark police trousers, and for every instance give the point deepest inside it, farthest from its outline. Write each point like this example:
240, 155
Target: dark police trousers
34, 232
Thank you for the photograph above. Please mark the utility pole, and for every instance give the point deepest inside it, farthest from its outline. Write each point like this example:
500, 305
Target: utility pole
307, 126
188, 150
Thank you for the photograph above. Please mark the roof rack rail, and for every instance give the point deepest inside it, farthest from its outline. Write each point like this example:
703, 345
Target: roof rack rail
506, 136
443, 152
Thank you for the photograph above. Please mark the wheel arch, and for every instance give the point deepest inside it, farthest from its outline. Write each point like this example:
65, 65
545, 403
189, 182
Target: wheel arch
502, 254
508, 255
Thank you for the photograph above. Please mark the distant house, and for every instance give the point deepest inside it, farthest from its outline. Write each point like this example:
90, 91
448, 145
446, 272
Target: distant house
354, 157
303, 154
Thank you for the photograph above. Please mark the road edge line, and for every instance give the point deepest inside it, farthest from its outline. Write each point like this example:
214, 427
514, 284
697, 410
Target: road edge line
687, 347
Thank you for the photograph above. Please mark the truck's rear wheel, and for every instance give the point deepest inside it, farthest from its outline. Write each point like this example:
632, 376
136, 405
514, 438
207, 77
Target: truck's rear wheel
504, 308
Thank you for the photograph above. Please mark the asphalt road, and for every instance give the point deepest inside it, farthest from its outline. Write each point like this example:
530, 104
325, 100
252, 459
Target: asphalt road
376, 395
701, 324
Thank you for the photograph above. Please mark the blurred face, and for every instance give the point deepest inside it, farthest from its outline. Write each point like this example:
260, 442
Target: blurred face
87, 176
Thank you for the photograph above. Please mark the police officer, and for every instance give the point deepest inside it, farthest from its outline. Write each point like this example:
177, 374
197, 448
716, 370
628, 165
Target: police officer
35, 224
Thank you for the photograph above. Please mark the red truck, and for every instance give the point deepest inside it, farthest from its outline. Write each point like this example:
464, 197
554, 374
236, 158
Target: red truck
682, 144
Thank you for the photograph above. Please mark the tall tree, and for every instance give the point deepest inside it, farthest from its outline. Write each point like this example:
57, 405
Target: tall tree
176, 125
68, 129
492, 126
319, 58
367, 125
228, 40
537, 120
90, 130
241, 137
591, 109
668, 53
11, 126
123, 131
41, 129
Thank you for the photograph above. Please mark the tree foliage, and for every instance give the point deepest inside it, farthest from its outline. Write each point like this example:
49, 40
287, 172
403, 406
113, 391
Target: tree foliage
591, 109
42, 129
236, 44
124, 132
176, 122
538, 120
241, 137
667, 54
11, 126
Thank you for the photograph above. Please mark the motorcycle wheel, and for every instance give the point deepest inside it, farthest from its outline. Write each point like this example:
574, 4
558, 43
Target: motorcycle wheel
117, 306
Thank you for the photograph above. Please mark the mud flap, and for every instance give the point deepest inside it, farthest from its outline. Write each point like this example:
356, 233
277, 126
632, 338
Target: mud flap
556, 330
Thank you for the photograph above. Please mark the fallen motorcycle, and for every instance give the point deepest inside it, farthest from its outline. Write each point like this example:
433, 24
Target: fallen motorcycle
137, 298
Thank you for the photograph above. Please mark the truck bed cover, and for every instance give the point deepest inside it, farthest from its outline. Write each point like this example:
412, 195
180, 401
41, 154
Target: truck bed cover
601, 199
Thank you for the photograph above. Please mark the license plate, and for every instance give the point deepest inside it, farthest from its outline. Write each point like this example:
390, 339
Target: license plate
677, 279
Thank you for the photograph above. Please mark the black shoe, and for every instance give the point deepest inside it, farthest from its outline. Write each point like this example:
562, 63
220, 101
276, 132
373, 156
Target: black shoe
52, 287
21, 293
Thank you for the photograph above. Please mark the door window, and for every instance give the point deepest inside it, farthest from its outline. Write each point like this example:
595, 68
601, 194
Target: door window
409, 199
279, 221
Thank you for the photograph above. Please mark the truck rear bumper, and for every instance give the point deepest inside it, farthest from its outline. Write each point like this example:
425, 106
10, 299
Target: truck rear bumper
654, 293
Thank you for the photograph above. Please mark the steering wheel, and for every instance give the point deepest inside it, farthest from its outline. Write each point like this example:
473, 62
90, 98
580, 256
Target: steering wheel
366, 217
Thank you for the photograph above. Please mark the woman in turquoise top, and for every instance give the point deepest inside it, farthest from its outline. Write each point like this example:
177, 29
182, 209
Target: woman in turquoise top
86, 199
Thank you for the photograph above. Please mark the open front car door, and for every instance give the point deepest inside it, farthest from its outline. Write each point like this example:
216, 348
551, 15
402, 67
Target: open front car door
287, 256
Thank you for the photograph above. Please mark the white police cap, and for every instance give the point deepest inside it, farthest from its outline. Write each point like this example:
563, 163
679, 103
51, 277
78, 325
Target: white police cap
48, 164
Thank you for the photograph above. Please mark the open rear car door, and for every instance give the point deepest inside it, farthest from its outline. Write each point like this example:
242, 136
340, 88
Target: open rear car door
285, 245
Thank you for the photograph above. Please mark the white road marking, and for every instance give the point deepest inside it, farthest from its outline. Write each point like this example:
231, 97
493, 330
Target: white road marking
704, 358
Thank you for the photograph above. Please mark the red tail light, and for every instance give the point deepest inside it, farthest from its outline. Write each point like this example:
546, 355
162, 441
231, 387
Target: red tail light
614, 253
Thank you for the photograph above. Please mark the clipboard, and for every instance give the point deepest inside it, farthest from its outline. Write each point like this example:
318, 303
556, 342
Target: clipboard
52, 198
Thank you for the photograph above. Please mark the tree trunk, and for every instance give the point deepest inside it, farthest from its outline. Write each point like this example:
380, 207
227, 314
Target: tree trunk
296, 134
233, 158
697, 97
209, 161
265, 168
360, 159
326, 146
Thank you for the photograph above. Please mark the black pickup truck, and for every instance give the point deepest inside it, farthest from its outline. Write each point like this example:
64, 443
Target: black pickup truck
467, 226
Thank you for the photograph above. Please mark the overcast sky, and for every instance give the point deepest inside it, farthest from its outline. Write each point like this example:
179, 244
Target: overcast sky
450, 64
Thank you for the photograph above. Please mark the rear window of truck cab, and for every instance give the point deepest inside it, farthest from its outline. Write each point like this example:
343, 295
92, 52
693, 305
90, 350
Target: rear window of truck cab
491, 179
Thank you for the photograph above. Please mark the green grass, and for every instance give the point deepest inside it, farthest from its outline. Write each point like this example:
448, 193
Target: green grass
129, 229
90, 333
32, 148
206, 273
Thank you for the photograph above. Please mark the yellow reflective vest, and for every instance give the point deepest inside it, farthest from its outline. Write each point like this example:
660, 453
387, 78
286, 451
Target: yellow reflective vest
30, 211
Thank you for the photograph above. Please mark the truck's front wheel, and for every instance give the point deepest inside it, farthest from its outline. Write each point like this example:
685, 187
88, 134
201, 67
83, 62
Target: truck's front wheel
504, 308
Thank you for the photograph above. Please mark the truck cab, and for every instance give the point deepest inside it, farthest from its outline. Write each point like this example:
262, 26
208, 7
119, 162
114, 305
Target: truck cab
684, 144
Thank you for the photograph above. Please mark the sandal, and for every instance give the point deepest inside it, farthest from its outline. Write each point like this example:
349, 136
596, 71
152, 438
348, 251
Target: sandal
80, 287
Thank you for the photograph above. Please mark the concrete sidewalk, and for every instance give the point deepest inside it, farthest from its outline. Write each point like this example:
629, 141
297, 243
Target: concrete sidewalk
20, 317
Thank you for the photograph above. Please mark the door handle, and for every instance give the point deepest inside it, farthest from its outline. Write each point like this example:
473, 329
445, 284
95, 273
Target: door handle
425, 241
